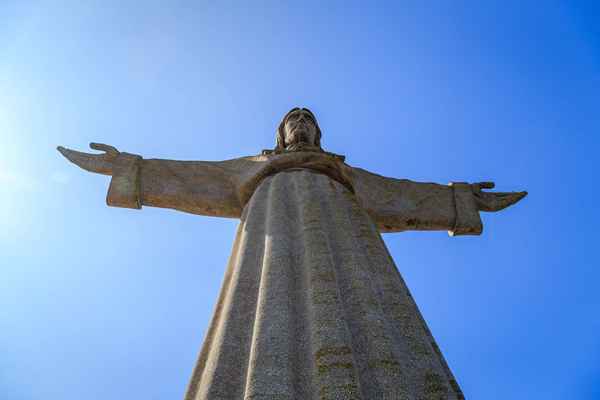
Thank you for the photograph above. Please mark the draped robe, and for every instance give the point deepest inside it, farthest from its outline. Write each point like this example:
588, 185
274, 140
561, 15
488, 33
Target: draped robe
312, 305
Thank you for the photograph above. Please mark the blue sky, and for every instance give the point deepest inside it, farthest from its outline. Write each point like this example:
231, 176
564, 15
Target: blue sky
105, 303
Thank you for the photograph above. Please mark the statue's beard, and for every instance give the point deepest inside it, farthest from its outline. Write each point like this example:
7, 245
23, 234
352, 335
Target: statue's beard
300, 141
300, 137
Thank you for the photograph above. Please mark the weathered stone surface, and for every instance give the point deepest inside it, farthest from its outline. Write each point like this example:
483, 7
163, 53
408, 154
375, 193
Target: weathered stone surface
312, 305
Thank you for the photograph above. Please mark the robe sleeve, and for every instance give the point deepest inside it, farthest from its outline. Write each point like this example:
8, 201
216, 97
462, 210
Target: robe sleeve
197, 187
400, 204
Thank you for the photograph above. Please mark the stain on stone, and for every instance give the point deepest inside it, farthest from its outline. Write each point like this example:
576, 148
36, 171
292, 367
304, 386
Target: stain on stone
324, 368
324, 297
333, 351
390, 365
348, 391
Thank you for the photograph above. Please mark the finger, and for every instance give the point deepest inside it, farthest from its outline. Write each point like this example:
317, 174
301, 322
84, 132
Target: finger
90, 162
103, 147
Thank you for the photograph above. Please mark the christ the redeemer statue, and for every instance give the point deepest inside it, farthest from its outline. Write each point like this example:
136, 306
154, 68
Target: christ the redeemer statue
312, 305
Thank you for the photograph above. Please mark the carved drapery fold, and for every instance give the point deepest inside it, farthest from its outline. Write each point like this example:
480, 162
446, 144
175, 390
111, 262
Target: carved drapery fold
468, 221
312, 307
124, 189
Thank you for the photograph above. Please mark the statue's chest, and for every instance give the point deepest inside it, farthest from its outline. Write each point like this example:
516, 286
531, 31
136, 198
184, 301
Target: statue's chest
330, 168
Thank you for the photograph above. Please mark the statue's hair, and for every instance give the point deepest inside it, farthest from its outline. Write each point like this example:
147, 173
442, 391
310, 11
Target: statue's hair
281, 129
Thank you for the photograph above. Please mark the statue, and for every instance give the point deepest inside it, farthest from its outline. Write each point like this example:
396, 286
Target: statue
312, 305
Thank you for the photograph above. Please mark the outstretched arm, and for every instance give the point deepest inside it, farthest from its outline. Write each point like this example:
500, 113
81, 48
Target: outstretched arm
400, 204
197, 187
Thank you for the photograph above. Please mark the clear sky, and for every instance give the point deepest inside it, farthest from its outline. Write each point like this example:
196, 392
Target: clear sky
101, 303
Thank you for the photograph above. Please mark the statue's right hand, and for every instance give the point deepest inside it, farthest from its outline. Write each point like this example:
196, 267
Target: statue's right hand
99, 163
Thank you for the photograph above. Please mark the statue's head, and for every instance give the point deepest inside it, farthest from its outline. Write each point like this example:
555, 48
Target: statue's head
298, 128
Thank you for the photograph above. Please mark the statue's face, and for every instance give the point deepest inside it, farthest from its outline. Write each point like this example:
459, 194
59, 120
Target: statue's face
300, 127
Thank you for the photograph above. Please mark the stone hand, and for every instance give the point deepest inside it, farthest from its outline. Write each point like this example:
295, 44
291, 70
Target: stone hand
98, 163
487, 201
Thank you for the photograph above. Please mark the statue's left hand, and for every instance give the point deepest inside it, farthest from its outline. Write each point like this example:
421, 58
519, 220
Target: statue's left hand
98, 163
488, 201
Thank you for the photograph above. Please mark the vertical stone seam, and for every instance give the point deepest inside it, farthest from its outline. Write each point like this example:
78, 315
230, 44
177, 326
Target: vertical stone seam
364, 374
304, 283
261, 291
326, 205
355, 228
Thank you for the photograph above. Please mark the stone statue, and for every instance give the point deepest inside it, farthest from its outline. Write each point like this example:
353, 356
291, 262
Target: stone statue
312, 305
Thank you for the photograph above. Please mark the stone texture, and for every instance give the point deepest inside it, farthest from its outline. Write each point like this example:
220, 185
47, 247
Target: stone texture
312, 305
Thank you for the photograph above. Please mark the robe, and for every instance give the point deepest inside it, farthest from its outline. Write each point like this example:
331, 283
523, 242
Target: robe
312, 305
